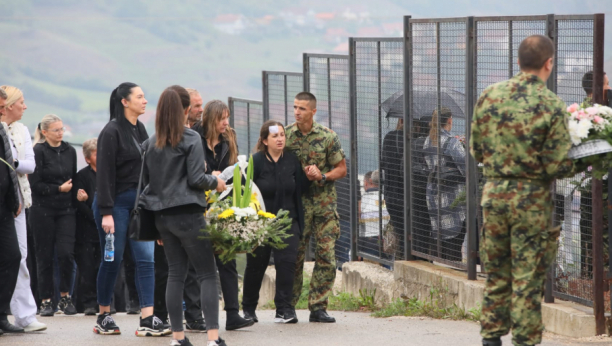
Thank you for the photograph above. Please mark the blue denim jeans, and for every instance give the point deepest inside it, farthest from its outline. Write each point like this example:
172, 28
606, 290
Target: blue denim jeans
142, 253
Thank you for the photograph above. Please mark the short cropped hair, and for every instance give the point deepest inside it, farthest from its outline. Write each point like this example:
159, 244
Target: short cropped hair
192, 91
587, 82
367, 177
89, 146
534, 51
306, 96
3, 94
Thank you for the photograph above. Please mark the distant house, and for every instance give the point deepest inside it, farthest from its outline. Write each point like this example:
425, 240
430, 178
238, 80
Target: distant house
232, 24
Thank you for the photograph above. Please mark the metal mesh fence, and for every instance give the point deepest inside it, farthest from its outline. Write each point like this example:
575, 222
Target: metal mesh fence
377, 89
246, 118
573, 272
438, 173
279, 90
327, 77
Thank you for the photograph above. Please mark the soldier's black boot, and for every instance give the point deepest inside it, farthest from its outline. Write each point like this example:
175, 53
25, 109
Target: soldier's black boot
492, 342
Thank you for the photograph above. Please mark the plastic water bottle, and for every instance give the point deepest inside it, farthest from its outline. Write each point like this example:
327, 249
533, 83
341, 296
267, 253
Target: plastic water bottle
109, 248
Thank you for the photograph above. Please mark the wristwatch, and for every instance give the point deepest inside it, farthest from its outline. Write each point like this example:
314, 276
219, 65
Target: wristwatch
322, 181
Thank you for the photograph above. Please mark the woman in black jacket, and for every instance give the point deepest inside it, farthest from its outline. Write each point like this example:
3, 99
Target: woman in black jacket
279, 176
52, 215
176, 194
118, 170
220, 152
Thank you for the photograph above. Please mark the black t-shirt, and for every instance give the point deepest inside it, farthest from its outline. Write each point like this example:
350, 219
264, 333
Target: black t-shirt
277, 184
213, 157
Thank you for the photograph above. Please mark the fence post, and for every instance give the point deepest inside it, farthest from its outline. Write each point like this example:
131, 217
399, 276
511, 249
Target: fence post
230, 105
306, 72
407, 140
353, 137
551, 31
265, 101
596, 184
472, 168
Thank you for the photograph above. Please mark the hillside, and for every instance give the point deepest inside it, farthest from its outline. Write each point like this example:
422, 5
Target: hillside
68, 55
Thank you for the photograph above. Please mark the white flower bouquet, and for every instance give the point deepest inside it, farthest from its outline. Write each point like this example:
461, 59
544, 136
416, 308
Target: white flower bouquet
590, 130
237, 224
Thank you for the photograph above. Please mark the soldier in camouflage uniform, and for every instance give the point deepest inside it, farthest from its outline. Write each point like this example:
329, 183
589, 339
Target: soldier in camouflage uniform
519, 133
322, 158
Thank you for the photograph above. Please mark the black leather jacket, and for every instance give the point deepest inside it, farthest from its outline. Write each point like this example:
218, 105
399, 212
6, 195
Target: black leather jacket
175, 176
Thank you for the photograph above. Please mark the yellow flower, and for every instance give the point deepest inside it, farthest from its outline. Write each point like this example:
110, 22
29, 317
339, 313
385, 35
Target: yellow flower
266, 215
225, 214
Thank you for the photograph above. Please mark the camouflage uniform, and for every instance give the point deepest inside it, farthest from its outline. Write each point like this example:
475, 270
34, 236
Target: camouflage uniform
519, 133
320, 147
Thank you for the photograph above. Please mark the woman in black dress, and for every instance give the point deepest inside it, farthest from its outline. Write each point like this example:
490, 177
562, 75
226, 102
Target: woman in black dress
279, 176
220, 152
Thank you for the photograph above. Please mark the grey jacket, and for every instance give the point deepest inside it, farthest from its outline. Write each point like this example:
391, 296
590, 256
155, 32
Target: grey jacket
175, 176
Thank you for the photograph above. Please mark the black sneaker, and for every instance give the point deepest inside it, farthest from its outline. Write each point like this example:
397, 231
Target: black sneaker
196, 326
278, 318
235, 321
46, 308
106, 325
321, 316
90, 312
219, 342
289, 316
152, 326
65, 306
250, 315
184, 342
133, 308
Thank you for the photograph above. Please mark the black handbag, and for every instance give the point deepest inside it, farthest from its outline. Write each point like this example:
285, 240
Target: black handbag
142, 221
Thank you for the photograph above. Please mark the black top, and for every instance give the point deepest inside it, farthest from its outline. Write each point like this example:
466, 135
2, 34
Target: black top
8, 199
392, 167
54, 167
86, 230
217, 160
179, 179
281, 184
119, 162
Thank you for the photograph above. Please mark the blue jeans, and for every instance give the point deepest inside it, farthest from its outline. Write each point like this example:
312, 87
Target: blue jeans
142, 253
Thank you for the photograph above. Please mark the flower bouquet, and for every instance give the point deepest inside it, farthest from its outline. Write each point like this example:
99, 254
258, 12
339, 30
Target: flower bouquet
590, 130
237, 224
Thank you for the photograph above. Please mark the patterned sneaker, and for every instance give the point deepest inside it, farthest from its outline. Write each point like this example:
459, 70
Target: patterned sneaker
46, 309
106, 325
65, 306
152, 326
184, 342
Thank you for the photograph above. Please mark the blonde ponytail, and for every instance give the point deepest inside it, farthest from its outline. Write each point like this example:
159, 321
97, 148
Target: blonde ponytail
44, 124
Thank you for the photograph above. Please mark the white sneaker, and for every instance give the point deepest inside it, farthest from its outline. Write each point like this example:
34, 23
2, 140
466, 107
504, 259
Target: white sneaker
35, 327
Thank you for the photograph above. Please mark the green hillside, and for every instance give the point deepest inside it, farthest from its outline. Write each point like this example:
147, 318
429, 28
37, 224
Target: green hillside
68, 55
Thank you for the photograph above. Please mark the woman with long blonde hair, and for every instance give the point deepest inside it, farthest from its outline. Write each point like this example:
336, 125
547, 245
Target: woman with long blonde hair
221, 151
23, 305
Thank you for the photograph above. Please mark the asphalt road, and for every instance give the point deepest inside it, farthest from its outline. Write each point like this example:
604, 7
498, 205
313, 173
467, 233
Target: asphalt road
352, 329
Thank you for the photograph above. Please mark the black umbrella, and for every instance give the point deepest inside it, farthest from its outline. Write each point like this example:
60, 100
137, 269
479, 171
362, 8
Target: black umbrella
424, 103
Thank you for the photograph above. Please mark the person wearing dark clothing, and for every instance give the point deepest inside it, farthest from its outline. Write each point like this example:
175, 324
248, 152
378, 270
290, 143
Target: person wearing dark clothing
281, 181
175, 193
220, 152
10, 256
87, 250
119, 155
392, 168
52, 214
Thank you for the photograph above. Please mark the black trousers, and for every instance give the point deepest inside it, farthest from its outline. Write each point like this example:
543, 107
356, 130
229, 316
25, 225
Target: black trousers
129, 268
191, 293
53, 228
284, 262
32, 260
10, 257
88, 257
228, 276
